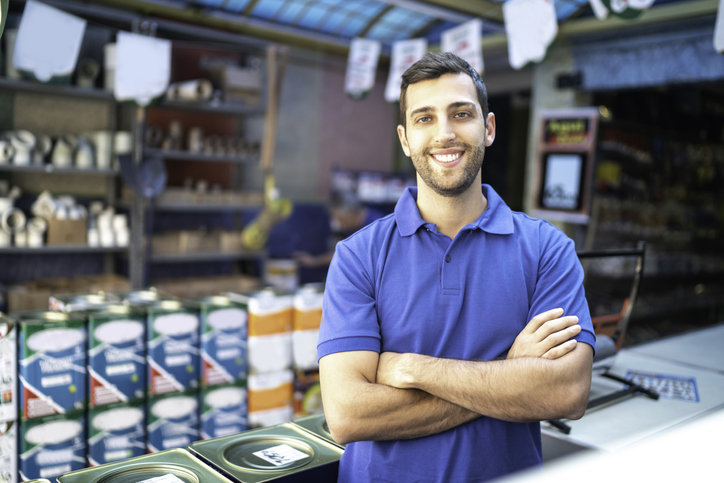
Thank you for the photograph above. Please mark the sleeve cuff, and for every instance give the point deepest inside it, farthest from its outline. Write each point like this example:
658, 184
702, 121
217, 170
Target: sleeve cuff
347, 344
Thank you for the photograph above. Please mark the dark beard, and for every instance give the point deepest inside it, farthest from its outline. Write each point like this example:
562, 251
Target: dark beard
475, 155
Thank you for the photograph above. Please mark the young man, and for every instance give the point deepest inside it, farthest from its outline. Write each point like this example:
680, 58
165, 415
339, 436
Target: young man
444, 340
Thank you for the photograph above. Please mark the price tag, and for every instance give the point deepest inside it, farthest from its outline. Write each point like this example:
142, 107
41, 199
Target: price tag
465, 42
404, 54
281, 455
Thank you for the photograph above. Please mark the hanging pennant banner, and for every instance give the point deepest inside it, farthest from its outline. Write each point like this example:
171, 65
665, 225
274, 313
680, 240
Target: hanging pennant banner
404, 54
628, 9
465, 42
143, 68
3, 15
599, 9
531, 26
719, 29
361, 67
48, 42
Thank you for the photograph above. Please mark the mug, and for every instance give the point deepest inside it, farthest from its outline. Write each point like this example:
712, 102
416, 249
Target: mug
12, 220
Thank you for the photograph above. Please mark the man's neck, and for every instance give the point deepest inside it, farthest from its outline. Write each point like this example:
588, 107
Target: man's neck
450, 214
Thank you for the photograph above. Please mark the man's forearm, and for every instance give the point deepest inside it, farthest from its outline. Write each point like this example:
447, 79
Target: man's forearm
519, 390
359, 409
381, 412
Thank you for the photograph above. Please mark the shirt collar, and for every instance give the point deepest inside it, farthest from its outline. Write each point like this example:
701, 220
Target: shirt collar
497, 218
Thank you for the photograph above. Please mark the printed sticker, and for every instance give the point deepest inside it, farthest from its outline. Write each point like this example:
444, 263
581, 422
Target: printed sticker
667, 386
281, 455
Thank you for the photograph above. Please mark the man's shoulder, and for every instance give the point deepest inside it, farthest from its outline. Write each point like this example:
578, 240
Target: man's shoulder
379, 228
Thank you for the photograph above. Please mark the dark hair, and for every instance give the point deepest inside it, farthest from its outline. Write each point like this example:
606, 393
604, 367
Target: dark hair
434, 65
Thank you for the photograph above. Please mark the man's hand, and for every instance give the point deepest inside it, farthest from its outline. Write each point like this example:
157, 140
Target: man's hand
391, 369
547, 335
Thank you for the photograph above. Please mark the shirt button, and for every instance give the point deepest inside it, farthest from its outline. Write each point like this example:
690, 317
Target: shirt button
447, 259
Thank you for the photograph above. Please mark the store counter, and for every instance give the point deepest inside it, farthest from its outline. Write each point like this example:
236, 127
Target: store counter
688, 373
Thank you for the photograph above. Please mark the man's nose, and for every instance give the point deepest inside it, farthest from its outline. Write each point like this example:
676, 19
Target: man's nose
445, 132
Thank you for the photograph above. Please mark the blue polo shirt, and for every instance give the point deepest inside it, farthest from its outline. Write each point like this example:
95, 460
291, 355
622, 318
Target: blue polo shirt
398, 285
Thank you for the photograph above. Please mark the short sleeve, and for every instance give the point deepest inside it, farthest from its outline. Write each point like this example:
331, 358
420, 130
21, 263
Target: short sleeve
349, 314
560, 284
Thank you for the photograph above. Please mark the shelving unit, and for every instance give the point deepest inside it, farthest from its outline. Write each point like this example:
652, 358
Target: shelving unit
642, 173
207, 257
176, 155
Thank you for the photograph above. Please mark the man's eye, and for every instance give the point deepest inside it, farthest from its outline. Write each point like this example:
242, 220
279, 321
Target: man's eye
462, 114
423, 119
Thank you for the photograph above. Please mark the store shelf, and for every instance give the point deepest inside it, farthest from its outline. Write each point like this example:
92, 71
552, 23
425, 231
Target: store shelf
216, 108
49, 168
61, 250
207, 257
191, 156
202, 207
56, 90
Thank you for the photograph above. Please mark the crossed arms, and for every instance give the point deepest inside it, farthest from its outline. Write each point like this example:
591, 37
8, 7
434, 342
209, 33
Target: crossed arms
369, 396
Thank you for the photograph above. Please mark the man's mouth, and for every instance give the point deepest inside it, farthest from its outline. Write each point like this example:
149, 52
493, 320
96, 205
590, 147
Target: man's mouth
447, 158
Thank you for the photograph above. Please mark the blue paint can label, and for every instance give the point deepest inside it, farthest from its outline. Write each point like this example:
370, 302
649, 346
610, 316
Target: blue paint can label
52, 364
116, 356
224, 410
223, 341
173, 421
116, 432
173, 348
8, 452
52, 446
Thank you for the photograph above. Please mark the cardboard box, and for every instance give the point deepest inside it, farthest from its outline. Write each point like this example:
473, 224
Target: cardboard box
230, 241
67, 232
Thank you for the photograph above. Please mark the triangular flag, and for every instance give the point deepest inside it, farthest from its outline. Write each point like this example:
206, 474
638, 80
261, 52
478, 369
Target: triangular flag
143, 67
361, 67
531, 26
465, 42
599, 9
48, 41
404, 54
719, 28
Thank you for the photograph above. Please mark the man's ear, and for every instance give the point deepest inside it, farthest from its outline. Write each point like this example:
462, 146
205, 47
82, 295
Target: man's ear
403, 139
490, 129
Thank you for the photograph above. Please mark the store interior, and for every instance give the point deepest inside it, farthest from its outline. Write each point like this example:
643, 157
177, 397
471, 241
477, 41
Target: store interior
226, 190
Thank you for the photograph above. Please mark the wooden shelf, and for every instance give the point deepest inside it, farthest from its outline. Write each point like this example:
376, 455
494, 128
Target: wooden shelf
206, 257
215, 108
49, 168
192, 156
56, 90
61, 249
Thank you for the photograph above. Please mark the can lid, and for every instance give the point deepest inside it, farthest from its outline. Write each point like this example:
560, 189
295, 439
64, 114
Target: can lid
145, 473
269, 453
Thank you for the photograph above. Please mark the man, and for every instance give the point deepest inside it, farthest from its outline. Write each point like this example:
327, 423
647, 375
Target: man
444, 340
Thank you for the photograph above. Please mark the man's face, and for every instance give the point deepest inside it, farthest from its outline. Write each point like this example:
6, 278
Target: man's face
446, 133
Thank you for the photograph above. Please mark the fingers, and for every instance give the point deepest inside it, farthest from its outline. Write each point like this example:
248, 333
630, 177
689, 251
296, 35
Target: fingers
540, 319
560, 350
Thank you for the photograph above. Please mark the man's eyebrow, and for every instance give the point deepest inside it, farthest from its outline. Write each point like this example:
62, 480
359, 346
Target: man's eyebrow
453, 106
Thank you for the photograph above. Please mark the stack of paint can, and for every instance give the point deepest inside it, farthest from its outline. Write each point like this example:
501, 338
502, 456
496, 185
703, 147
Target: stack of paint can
8, 400
52, 374
306, 322
172, 406
223, 366
269, 355
116, 384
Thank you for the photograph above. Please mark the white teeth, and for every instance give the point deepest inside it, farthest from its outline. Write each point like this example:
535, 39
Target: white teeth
446, 158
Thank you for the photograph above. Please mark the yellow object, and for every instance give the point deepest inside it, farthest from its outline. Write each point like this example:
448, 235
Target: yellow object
256, 234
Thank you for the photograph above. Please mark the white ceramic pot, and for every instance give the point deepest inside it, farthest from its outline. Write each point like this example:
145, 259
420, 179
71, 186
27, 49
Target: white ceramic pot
43, 146
103, 144
6, 152
84, 157
63, 152
12, 220
24, 144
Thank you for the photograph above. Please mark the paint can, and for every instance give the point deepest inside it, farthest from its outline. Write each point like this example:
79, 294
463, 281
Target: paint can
8, 369
224, 410
173, 421
52, 360
52, 446
116, 432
